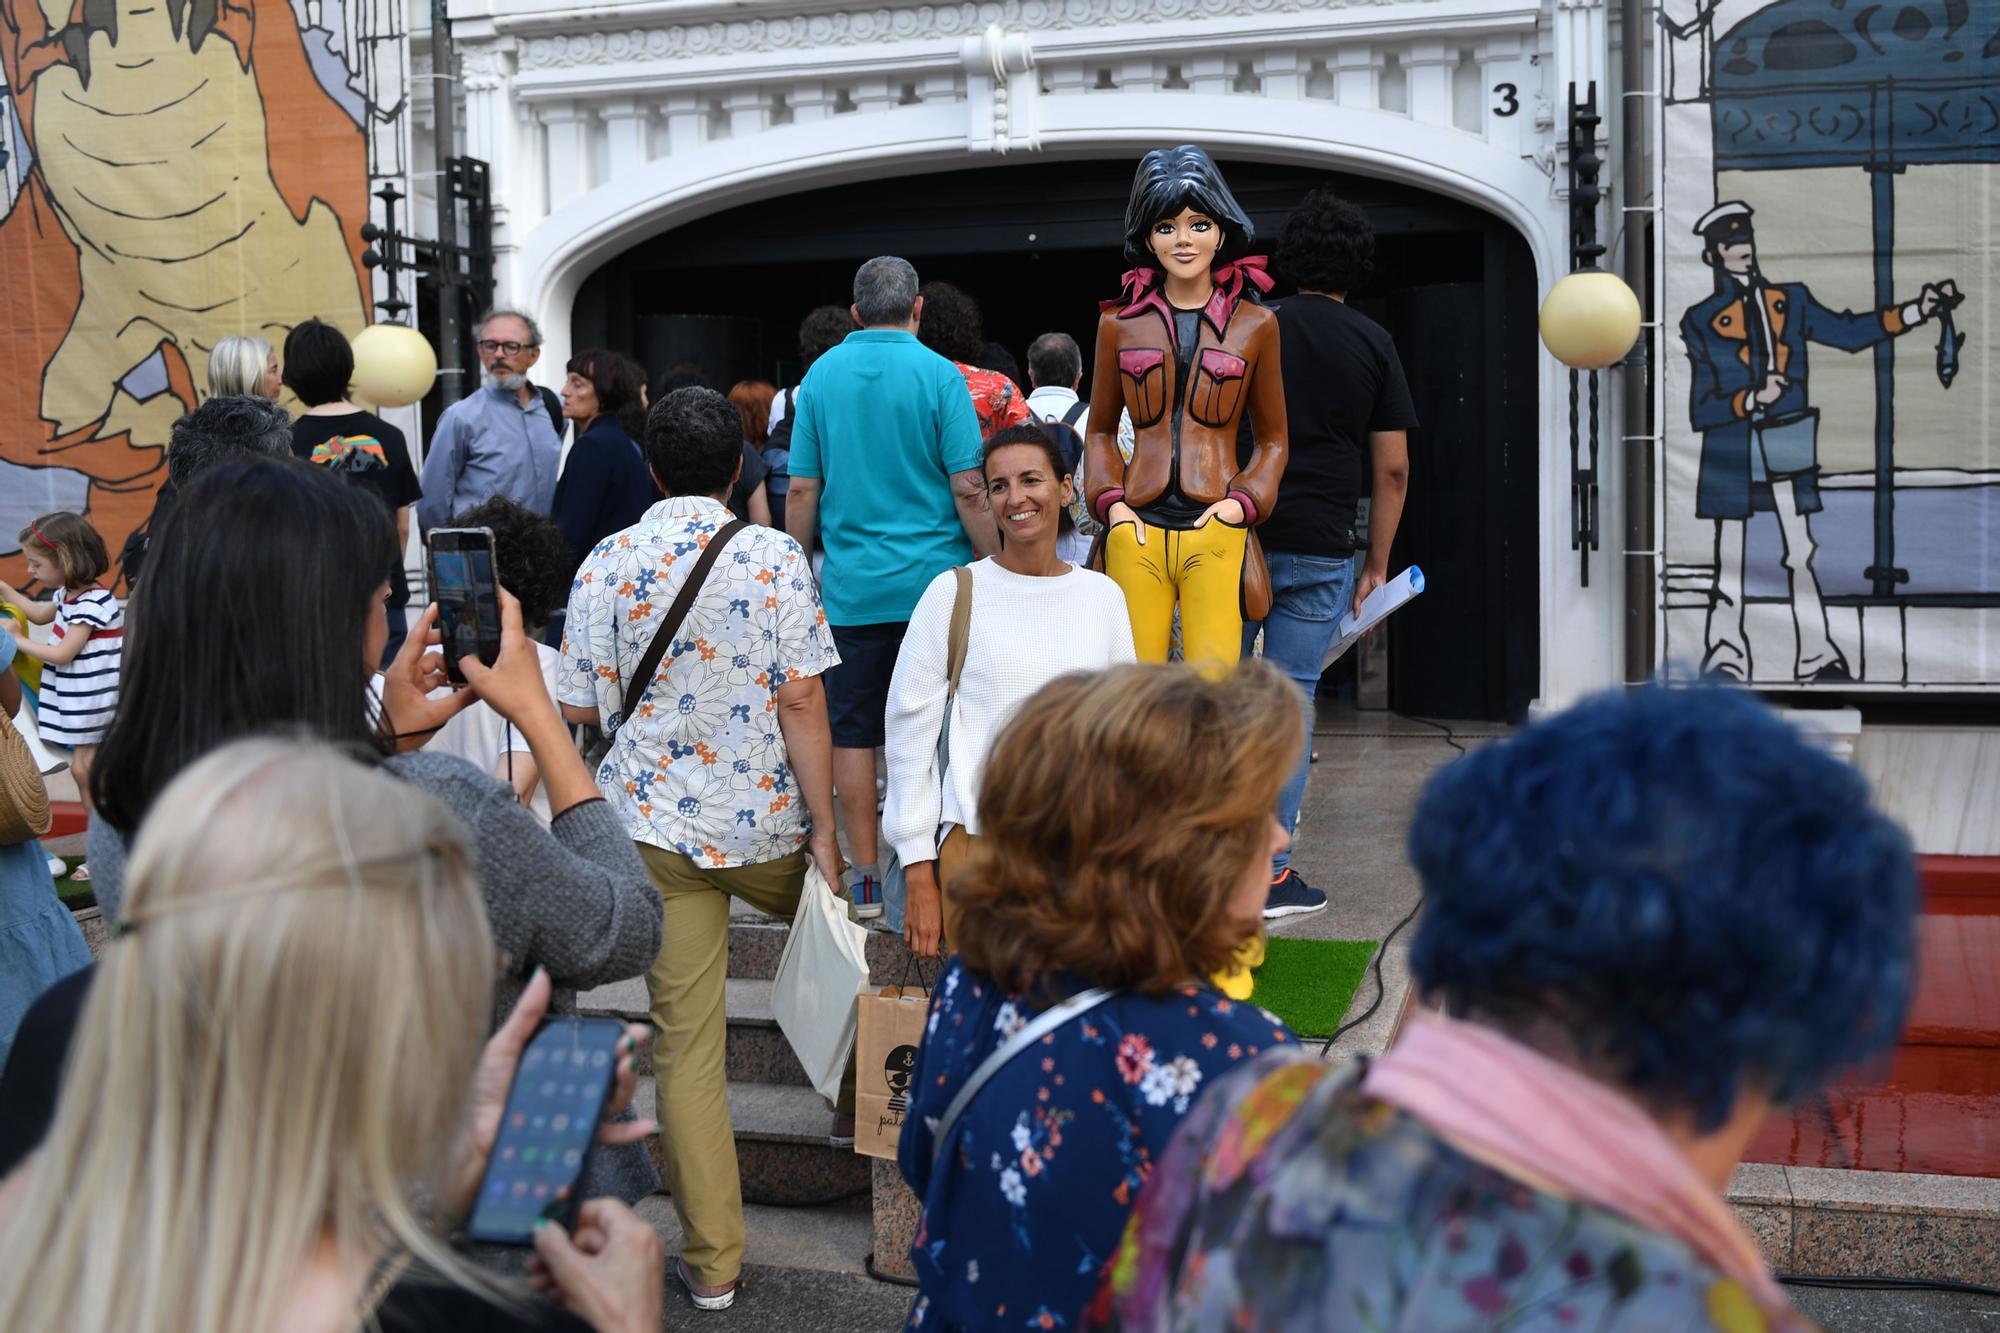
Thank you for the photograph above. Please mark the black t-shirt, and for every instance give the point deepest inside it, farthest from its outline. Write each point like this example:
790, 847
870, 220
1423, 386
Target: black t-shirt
1342, 381
388, 474
755, 469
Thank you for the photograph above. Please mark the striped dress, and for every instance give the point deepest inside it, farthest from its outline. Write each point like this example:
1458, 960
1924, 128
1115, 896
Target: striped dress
78, 698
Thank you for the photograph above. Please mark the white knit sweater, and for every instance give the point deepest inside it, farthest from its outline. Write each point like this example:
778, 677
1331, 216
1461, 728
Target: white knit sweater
1025, 632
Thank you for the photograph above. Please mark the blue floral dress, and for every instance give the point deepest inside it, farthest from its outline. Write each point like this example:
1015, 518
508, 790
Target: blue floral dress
1042, 1170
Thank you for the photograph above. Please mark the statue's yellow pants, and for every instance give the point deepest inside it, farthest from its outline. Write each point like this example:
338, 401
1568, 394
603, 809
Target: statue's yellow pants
1201, 570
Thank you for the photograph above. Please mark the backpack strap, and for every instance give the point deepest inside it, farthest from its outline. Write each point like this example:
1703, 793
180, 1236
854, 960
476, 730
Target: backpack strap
635, 689
1024, 1036
1075, 413
961, 630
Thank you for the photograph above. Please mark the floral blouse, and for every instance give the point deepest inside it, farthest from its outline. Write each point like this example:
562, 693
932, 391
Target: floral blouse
1290, 1201
1043, 1167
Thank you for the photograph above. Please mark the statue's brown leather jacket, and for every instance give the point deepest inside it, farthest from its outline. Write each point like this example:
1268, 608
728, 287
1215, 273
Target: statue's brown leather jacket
1235, 364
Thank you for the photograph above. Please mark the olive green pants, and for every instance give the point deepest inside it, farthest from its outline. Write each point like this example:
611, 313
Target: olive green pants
688, 989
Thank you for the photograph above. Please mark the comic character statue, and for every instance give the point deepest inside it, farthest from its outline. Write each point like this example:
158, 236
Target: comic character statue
1186, 350
1759, 438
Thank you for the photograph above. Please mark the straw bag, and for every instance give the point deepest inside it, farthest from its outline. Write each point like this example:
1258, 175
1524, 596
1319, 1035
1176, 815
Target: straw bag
24, 800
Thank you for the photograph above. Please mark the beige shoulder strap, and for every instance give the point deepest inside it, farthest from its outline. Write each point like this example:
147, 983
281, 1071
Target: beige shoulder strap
961, 629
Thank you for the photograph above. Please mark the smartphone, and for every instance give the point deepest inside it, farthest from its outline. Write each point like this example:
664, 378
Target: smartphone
546, 1132
467, 592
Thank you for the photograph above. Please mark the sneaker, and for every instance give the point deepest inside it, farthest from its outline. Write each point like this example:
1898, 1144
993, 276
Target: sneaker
864, 891
704, 1296
1292, 896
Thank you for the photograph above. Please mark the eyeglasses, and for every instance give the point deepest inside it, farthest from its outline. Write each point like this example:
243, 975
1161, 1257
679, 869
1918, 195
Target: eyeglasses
488, 346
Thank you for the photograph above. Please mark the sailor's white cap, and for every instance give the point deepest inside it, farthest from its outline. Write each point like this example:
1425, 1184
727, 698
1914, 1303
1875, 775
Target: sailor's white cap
1719, 218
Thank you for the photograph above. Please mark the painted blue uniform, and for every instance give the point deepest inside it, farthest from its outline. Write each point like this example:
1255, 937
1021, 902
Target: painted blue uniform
1726, 346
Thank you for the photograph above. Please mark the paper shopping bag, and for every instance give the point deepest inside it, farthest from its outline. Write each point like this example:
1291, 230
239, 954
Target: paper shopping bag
891, 1024
821, 973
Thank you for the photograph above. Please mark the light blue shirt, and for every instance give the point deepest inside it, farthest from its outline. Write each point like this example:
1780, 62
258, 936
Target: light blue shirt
488, 445
884, 422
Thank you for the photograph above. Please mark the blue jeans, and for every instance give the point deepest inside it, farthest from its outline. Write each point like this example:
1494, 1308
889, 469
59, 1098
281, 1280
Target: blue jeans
1309, 594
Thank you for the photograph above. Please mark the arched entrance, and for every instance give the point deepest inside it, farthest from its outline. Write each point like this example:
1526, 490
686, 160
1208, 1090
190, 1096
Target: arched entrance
1038, 243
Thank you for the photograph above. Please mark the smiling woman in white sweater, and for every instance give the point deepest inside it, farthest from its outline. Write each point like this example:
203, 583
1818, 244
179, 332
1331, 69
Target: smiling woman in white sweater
1034, 617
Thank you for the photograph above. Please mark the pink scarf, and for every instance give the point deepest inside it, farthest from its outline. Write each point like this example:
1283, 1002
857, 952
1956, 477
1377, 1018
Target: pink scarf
1528, 1116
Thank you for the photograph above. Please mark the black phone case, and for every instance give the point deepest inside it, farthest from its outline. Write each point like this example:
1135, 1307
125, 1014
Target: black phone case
451, 668
564, 1213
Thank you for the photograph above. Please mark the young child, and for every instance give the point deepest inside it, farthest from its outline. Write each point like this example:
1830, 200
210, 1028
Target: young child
80, 669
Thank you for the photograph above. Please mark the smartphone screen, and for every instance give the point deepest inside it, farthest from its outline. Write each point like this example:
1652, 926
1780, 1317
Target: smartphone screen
558, 1097
466, 590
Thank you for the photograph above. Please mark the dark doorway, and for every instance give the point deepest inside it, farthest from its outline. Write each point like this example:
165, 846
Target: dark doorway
1039, 244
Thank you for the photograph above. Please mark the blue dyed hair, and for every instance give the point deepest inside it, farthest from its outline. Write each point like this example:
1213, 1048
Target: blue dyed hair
1678, 885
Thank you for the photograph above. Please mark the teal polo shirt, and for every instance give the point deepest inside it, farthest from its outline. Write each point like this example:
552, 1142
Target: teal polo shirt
882, 423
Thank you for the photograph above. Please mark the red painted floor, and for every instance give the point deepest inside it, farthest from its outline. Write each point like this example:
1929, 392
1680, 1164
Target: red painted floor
1935, 1109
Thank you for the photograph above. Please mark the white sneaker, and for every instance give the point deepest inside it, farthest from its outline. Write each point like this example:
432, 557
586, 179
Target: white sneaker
58, 867
722, 1300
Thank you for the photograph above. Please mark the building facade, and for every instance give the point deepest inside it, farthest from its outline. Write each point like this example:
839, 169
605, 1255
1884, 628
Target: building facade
611, 128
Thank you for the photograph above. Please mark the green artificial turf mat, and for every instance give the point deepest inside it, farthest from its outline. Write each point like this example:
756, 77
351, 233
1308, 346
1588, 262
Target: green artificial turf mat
1310, 983
70, 890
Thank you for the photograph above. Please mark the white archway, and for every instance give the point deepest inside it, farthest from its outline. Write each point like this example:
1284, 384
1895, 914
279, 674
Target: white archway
1578, 626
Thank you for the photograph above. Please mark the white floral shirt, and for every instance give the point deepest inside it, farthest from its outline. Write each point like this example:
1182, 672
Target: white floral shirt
700, 768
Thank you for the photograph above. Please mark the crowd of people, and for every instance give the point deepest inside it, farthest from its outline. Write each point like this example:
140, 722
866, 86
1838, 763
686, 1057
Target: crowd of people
344, 893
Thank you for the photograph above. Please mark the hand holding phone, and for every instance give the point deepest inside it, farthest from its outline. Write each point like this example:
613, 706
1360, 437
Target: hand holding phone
466, 588
548, 1128
494, 1086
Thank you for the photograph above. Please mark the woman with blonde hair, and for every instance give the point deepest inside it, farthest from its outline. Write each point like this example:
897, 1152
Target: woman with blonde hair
1127, 835
244, 365
278, 1080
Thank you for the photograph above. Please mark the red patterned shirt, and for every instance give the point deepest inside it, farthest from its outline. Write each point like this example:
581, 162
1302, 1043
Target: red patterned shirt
995, 400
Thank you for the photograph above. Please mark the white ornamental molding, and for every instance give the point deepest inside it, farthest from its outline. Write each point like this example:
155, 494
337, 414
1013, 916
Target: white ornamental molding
886, 25
1002, 90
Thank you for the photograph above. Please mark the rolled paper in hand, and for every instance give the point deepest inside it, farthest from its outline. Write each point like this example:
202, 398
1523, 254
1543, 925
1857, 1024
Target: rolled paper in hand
1375, 608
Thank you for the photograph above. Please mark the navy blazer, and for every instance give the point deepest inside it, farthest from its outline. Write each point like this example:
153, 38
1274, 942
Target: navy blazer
1716, 333
605, 487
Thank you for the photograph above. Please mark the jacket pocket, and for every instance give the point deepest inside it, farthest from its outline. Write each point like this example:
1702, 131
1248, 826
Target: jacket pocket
1144, 373
1218, 387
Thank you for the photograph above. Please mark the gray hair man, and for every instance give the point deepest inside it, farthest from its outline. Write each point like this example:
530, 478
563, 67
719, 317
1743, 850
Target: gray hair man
503, 440
1055, 371
886, 465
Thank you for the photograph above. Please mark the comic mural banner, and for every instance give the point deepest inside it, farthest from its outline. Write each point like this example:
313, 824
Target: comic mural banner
1831, 483
171, 175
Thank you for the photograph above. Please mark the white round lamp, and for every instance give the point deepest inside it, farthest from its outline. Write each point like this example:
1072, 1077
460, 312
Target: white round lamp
1590, 319
394, 365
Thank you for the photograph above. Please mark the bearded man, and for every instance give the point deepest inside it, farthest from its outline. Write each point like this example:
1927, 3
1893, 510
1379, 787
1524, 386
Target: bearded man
500, 441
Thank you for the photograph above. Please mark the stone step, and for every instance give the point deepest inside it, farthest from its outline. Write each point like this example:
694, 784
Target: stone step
830, 1238
803, 1268
757, 942
782, 1149
756, 1051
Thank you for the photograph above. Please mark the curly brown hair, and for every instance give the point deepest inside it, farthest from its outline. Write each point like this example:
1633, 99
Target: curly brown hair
1120, 809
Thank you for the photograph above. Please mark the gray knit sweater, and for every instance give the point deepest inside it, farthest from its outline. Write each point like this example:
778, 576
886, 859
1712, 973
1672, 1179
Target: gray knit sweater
573, 898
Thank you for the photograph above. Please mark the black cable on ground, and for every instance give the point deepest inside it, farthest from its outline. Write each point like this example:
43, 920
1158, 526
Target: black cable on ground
1859, 1283
1375, 965
868, 1266
1375, 969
